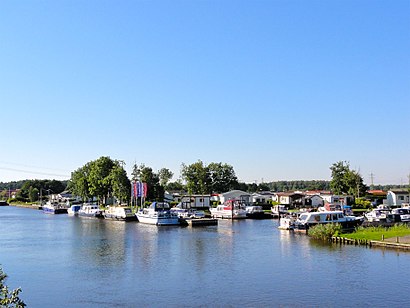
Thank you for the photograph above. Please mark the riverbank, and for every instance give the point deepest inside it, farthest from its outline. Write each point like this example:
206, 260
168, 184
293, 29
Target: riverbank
397, 236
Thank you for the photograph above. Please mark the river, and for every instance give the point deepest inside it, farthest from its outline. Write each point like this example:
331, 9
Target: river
59, 260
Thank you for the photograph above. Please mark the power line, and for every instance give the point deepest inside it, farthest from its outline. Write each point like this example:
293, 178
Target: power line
35, 172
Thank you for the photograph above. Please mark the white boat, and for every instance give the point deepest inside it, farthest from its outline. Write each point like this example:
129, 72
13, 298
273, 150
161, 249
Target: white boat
309, 219
55, 207
379, 214
90, 210
73, 209
158, 213
400, 215
188, 213
255, 211
279, 210
231, 209
119, 213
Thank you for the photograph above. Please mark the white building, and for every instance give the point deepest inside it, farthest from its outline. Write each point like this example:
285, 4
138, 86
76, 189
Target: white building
397, 197
235, 194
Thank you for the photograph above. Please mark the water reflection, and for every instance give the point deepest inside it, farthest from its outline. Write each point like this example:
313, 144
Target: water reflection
99, 263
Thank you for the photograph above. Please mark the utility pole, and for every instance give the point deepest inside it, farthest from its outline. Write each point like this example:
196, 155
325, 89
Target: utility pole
371, 180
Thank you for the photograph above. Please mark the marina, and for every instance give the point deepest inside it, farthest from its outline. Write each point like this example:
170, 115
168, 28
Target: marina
212, 263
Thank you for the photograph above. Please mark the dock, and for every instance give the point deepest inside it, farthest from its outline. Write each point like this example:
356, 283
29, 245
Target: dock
196, 222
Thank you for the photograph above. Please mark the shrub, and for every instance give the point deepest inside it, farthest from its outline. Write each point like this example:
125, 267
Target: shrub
325, 231
9, 298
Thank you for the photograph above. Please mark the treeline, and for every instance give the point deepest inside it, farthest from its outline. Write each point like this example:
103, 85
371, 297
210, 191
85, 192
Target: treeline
33, 190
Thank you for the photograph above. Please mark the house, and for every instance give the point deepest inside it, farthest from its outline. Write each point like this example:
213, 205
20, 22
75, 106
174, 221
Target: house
398, 197
314, 201
337, 199
293, 199
260, 198
235, 194
195, 201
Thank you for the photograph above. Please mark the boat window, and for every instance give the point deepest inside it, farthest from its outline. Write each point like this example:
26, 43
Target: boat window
340, 215
317, 218
334, 216
328, 217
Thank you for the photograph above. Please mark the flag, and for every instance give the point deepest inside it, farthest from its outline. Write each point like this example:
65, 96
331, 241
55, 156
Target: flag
139, 189
145, 189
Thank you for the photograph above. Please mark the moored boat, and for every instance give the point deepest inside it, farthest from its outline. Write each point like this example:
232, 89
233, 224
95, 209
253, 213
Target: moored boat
119, 213
90, 210
309, 219
54, 207
279, 210
158, 213
231, 209
400, 215
73, 209
255, 212
187, 213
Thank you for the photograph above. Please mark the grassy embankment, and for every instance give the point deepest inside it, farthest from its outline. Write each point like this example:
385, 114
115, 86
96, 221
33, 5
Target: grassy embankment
377, 233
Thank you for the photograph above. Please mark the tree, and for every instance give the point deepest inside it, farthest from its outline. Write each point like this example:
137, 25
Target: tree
9, 298
155, 190
338, 183
101, 178
121, 185
197, 178
346, 181
164, 176
222, 177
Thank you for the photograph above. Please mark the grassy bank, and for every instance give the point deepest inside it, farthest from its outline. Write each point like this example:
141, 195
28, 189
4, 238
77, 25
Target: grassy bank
376, 233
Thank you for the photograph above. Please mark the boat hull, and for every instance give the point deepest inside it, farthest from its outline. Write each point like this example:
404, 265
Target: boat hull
54, 211
121, 218
158, 221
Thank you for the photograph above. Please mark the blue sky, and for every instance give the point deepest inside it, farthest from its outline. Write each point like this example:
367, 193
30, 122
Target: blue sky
280, 90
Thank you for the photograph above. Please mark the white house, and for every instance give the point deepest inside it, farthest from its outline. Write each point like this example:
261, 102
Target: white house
260, 198
397, 197
235, 194
336, 199
196, 201
314, 201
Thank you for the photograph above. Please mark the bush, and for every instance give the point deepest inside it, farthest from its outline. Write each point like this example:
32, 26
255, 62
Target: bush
325, 231
9, 298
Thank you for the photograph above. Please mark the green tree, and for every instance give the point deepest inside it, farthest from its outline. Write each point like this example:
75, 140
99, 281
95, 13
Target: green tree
101, 178
9, 299
222, 177
33, 194
155, 190
197, 178
78, 185
121, 185
346, 181
340, 171
165, 175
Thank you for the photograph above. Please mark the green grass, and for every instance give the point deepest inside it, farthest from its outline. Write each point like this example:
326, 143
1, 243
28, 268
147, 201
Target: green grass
376, 233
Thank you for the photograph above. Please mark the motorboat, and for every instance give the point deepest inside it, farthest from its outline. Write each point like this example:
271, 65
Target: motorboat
158, 213
378, 215
119, 213
187, 213
400, 215
90, 210
55, 207
279, 210
254, 211
309, 219
73, 209
231, 209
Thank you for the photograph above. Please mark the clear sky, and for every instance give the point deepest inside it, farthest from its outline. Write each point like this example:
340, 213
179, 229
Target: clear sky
280, 90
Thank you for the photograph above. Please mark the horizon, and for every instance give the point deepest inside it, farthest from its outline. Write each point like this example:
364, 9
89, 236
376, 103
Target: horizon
276, 89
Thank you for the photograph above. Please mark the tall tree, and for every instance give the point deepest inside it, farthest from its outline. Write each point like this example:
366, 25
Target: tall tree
222, 177
196, 177
346, 181
164, 176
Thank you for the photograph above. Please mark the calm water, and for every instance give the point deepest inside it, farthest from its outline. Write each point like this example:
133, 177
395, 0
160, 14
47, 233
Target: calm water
60, 260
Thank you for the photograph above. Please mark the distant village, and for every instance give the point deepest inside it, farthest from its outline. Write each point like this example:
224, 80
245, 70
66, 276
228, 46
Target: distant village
292, 199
